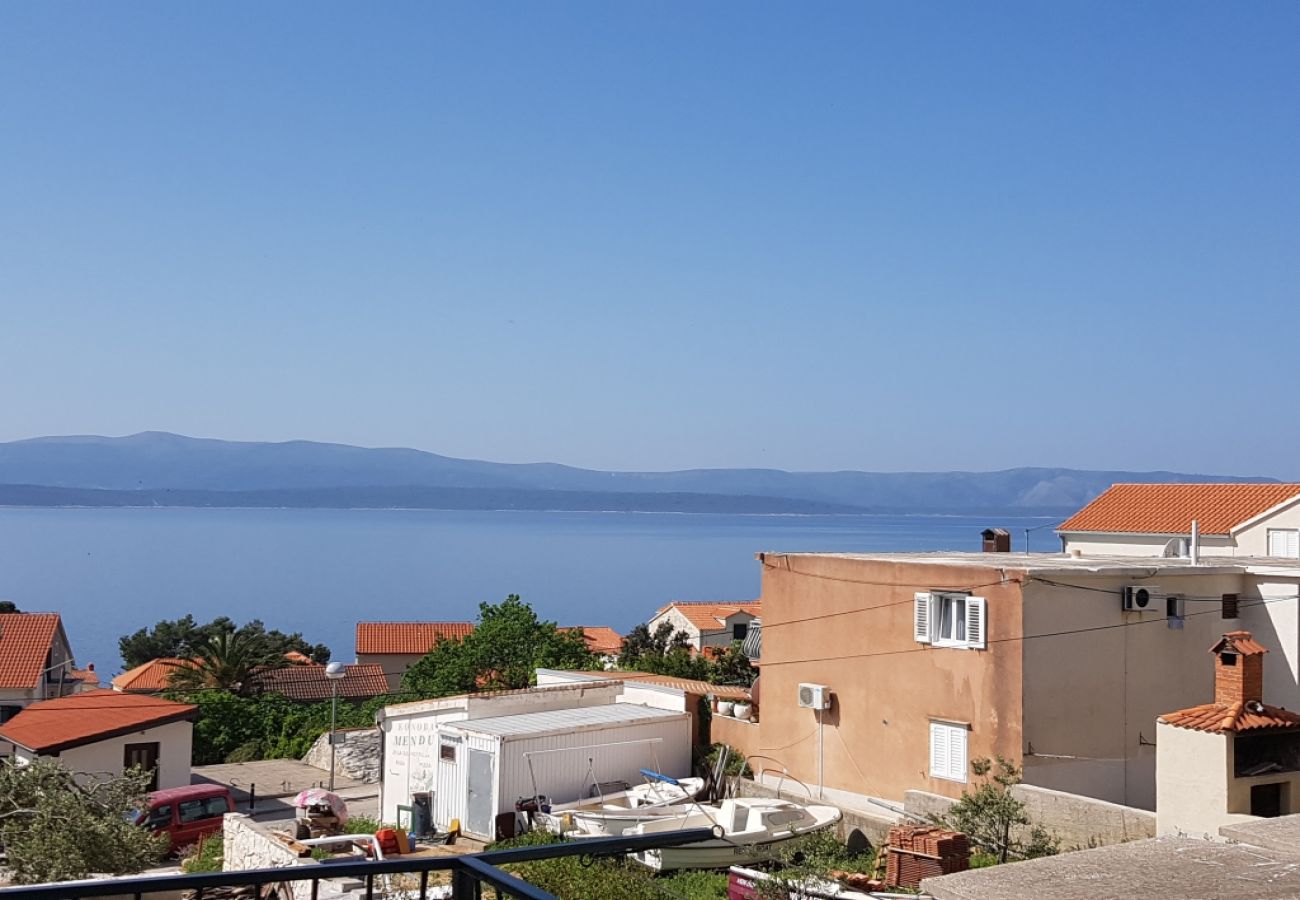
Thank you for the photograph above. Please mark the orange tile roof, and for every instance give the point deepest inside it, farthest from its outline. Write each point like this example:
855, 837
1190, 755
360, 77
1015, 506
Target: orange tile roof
306, 682
708, 615
689, 685
86, 676
601, 639
1218, 718
149, 678
1170, 508
413, 638
25, 642
54, 725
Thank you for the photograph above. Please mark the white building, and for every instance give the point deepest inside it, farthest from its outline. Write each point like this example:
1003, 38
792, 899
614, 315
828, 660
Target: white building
486, 765
1234, 760
105, 732
410, 732
1251, 520
35, 662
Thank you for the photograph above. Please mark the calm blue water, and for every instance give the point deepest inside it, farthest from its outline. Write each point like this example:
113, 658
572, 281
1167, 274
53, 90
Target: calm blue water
111, 571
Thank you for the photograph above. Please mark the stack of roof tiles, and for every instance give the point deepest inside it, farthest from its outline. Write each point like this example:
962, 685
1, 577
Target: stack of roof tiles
923, 851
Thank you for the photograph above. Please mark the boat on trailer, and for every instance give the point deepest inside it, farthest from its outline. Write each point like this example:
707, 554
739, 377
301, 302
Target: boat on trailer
611, 814
746, 829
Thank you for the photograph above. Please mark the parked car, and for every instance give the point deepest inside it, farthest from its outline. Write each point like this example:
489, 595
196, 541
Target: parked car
187, 813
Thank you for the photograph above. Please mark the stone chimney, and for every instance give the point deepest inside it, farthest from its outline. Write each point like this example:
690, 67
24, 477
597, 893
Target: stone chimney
1238, 669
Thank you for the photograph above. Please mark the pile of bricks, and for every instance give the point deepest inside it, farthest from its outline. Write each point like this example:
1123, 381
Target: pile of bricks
923, 851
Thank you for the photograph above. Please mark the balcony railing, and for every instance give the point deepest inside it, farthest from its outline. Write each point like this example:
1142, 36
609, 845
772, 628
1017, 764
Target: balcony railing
469, 873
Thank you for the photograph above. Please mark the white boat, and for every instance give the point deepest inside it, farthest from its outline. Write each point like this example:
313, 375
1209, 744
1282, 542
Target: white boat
751, 829
613, 814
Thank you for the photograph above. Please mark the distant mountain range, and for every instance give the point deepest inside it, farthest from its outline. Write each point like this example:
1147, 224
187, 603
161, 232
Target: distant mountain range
160, 469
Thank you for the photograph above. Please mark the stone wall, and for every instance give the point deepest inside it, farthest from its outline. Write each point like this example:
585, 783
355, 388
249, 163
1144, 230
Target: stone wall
357, 755
1078, 821
248, 845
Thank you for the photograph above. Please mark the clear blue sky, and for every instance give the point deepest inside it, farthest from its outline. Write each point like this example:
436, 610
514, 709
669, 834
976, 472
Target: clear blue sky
659, 235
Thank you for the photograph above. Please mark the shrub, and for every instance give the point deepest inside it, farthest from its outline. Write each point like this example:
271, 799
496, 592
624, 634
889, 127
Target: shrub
204, 856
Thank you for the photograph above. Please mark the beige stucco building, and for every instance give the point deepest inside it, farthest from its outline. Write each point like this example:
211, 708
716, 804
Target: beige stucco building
933, 660
708, 623
1233, 760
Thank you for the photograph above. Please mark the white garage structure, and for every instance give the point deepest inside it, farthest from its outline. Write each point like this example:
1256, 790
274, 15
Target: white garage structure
486, 765
410, 732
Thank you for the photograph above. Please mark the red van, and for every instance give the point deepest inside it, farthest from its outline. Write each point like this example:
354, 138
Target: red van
187, 813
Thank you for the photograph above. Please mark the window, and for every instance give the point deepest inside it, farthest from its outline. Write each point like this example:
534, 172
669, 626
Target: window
1284, 542
447, 752
160, 816
193, 810
1230, 606
948, 751
739, 631
950, 620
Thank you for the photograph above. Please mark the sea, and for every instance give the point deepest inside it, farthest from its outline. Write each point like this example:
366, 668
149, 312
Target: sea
320, 571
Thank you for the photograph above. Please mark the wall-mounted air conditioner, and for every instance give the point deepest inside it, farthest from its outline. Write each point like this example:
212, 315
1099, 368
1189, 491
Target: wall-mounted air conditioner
814, 696
1144, 598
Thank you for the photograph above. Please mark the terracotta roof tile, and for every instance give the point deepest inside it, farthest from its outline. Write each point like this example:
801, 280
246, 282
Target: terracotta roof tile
89, 716
1170, 508
306, 682
1237, 718
1240, 642
148, 678
406, 637
689, 685
708, 615
601, 639
86, 676
25, 641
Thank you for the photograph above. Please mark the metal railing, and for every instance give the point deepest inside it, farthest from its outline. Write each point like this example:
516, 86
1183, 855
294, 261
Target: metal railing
469, 873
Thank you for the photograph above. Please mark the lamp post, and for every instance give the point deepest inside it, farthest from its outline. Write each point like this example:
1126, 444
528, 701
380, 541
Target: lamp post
335, 672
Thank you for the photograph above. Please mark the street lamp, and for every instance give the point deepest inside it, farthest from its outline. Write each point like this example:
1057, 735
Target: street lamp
335, 672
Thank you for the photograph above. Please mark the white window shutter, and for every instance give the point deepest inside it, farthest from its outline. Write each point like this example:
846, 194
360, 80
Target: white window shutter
938, 750
975, 623
956, 753
1293, 544
921, 618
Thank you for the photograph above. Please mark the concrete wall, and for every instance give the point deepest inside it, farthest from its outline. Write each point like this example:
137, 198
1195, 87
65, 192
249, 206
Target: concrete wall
1276, 625
393, 664
357, 755
743, 736
1149, 545
847, 623
107, 757
1076, 821
1092, 695
1253, 541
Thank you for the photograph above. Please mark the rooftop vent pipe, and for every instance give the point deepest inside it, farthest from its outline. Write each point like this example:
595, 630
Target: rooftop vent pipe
1194, 549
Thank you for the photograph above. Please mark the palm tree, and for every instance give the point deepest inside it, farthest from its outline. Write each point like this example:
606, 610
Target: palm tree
225, 661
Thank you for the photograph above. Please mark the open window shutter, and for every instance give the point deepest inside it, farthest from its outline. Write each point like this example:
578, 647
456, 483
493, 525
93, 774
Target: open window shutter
938, 749
975, 624
1293, 544
956, 753
921, 618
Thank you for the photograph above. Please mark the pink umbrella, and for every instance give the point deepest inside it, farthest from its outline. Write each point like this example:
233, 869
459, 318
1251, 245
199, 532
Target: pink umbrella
318, 797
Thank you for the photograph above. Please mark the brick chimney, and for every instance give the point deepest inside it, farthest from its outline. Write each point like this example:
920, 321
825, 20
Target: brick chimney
1238, 669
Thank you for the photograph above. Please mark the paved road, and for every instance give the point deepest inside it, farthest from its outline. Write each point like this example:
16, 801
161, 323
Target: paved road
275, 782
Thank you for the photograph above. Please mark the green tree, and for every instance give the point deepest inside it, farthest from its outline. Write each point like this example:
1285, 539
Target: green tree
8, 606
507, 645
994, 819
182, 637
642, 649
732, 666
226, 662
56, 829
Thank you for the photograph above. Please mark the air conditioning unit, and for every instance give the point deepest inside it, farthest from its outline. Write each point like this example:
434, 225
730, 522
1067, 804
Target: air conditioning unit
1144, 598
814, 696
